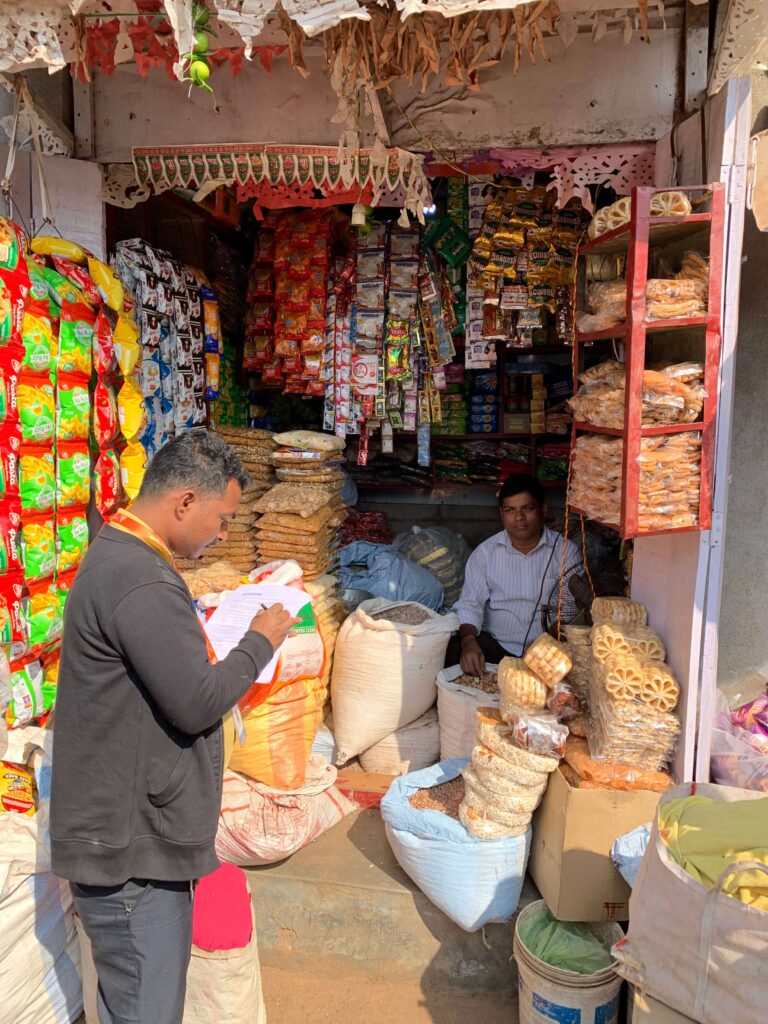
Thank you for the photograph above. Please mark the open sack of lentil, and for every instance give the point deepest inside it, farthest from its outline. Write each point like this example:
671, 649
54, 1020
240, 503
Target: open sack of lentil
473, 881
387, 658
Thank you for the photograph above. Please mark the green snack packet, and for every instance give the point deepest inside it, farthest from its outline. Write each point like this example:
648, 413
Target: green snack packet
71, 539
37, 479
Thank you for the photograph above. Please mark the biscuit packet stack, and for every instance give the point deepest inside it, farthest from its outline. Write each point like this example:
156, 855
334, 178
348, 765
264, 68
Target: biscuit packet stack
254, 448
301, 515
632, 692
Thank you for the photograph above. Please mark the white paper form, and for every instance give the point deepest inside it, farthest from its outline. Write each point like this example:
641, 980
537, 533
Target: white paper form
229, 623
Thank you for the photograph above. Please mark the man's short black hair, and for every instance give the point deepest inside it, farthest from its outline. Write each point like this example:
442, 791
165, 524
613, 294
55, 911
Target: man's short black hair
195, 459
522, 484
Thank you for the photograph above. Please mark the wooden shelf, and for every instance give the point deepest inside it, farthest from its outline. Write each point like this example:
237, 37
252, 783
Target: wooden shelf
619, 332
628, 536
661, 231
646, 431
637, 240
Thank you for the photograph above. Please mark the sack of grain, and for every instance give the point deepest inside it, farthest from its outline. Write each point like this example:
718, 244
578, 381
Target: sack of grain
409, 749
456, 706
258, 825
473, 881
384, 672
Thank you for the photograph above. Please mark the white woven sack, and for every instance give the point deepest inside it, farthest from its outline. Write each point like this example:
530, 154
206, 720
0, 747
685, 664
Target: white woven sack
40, 954
456, 706
703, 953
409, 749
260, 826
384, 674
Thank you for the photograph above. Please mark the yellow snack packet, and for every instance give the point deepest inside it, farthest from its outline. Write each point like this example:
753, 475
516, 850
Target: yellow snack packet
44, 245
131, 410
125, 339
132, 465
105, 280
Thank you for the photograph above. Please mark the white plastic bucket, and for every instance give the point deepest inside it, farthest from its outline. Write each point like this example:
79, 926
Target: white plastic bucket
548, 994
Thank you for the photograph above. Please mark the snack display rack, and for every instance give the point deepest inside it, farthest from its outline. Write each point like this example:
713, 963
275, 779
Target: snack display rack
637, 240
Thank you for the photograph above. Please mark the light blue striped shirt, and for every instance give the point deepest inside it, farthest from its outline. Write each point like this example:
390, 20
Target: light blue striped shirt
503, 592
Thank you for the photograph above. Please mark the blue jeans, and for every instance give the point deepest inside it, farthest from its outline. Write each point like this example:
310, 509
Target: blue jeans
141, 935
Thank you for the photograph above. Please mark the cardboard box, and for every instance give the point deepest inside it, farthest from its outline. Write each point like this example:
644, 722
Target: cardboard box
573, 831
517, 423
646, 1010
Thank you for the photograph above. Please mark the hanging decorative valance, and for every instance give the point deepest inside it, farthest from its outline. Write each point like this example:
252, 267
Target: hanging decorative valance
378, 175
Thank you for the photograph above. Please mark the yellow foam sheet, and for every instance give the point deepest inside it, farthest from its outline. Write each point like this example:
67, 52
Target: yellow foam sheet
704, 836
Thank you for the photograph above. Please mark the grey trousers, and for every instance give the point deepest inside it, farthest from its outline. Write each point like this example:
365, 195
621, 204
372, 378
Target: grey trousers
141, 934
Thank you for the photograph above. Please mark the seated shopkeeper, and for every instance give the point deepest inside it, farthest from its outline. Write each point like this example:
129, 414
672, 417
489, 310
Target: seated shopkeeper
508, 578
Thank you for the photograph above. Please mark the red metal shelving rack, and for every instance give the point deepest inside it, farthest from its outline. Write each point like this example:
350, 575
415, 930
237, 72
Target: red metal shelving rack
643, 233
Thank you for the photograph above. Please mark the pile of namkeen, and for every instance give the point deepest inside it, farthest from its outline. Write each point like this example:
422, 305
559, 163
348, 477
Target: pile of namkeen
670, 394
669, 482
599, 707
302, 513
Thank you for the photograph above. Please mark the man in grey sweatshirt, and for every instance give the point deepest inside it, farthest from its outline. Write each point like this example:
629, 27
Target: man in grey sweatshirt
138, 746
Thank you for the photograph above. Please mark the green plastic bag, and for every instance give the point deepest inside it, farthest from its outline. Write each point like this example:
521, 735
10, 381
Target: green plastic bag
568, 945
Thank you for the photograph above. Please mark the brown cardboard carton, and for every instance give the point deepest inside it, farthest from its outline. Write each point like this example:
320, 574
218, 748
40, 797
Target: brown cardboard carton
646, 1010
573, 831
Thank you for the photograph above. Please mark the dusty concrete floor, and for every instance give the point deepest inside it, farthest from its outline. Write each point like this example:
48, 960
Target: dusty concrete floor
298, 998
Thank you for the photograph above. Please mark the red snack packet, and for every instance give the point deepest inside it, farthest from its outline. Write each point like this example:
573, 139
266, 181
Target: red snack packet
11, 357
106, 423
12, 630
10, 450
272, 373
103, 345
79, 276
292, 364
10, 523
108, 487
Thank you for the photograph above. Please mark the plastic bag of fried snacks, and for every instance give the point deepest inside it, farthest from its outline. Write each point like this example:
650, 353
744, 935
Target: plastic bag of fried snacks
619, 610
519, 687
548, 659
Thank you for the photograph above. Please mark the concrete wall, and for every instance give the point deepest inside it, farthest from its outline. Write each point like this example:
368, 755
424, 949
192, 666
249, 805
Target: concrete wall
743, 651
591, 93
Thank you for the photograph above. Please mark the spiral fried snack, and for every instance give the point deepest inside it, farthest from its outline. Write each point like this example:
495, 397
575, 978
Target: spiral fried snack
622, 677
660, 689
620, 610
608, 641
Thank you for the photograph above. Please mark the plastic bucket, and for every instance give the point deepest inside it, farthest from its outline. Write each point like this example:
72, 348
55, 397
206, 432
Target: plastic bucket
548, 994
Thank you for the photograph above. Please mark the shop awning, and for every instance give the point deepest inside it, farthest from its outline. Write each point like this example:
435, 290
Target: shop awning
295, 174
